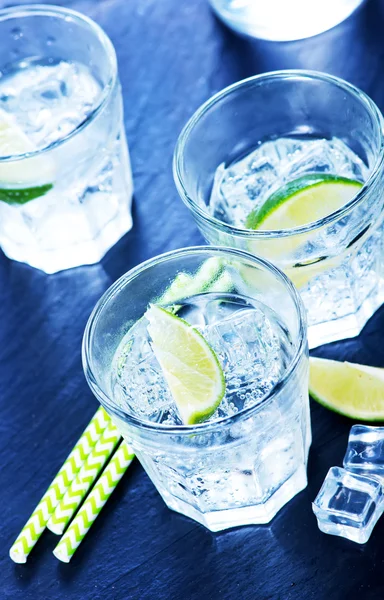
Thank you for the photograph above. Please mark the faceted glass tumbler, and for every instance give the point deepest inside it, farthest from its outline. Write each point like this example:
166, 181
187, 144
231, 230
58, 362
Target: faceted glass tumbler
365, 451
83, 167
348, 505
336, 262
237, 470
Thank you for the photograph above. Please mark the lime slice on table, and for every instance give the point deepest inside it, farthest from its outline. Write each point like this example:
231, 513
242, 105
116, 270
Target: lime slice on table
189, 364
25, 179
300, 202
353, 390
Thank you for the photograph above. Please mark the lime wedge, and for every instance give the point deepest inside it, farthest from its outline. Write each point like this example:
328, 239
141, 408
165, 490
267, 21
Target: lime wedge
26, 179
185, 284
211, 276
353, 390
189, 364
303, 201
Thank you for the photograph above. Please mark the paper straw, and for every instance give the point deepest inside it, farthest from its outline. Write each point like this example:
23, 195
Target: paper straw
94, 503
37, 522
84, 480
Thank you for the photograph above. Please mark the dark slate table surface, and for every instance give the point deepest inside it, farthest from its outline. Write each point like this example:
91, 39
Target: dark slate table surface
172, 55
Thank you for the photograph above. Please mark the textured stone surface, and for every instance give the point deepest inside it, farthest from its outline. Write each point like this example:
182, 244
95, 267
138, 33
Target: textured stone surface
172, 55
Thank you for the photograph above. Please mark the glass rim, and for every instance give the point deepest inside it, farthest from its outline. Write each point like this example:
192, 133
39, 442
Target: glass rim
51, 10
285, 74
124, 280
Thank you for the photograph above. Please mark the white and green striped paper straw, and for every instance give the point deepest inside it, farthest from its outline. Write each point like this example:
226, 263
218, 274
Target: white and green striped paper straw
37, 522
94, 503
84, 480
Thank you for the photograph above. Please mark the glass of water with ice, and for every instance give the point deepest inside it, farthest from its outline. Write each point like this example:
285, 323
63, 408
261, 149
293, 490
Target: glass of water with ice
65, 178
289, 165
248, 458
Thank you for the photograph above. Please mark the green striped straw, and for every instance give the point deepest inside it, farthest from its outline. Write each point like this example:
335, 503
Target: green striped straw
94, 503
84, 480
37, 522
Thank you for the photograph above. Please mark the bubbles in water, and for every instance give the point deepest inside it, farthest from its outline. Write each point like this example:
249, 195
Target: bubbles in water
249, 342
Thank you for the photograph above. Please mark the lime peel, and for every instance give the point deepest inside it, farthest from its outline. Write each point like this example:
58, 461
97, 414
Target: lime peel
24, 195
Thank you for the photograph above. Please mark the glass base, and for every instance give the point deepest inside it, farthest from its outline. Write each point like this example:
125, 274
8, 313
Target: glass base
84, 252
74, 225
347, 326
258, 514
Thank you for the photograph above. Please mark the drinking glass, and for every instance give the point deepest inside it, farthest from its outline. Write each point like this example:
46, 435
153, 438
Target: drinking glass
65, 177
242, 467
336, 262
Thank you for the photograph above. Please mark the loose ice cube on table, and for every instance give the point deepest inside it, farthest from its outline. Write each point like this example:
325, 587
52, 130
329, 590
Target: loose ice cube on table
365, 451
348, 505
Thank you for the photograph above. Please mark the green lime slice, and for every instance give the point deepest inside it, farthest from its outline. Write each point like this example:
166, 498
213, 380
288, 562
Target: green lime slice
353, 390
22, 180
190, 366
210, 277
300, 202
303, 201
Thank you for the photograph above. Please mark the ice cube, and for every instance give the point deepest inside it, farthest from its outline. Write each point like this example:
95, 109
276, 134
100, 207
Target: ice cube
365, 451
250, 345
140, 386
249, 352
241, 187
49, 101
247, 184
344, 162
348, 505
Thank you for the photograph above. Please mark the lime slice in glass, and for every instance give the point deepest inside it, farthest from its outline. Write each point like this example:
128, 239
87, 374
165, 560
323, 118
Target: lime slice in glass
300, 202
186, 284
303, 201
25, 179
189, 364
353, 390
